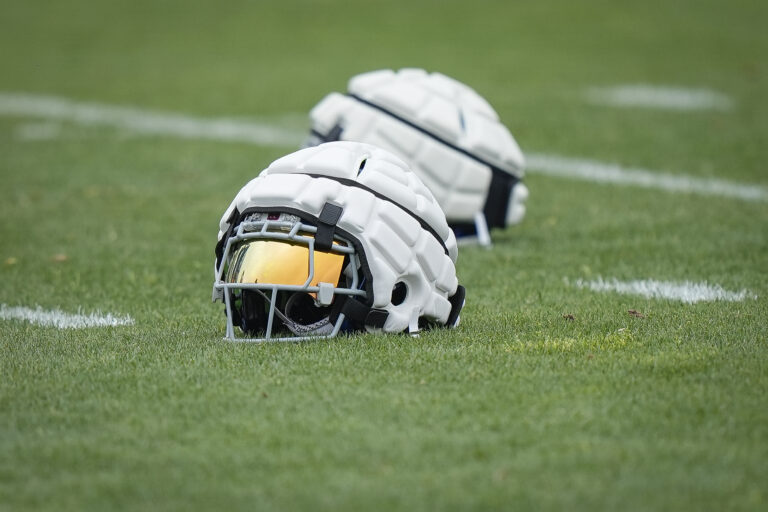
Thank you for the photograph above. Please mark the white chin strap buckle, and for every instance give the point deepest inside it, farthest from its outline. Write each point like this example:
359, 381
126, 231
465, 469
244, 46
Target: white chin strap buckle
413, 323
481, 228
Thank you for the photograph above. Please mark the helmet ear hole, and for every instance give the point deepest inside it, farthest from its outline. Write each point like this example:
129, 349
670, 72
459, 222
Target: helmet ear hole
399, 293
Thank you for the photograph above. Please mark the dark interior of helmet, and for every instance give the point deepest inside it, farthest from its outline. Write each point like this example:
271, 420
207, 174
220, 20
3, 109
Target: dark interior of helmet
302, 309
250, 311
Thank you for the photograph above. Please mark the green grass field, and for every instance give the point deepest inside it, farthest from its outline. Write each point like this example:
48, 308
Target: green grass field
520, 407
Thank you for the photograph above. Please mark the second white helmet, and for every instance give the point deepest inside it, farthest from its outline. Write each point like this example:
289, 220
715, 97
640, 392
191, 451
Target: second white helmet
446, 132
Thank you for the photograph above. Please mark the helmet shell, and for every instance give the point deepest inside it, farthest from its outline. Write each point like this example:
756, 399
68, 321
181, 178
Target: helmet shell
449, 135
388, 212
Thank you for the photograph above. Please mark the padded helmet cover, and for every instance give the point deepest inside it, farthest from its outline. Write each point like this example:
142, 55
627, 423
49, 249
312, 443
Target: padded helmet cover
387, 210
448, 134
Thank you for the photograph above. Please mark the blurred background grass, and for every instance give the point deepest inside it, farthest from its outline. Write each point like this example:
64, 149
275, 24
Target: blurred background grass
530, 59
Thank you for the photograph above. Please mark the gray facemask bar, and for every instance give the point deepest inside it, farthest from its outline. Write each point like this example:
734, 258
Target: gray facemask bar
260, 229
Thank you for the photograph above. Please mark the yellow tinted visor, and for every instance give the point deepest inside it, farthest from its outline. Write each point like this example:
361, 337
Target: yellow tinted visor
272, 262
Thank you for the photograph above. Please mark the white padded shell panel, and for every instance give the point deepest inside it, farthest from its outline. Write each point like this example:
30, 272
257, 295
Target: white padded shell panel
396, 246
440, 105
435, 100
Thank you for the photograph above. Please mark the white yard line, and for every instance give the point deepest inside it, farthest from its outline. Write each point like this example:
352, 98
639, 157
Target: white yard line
659, 97
590, 170
163, 123
144, 121
684, 291
60, 319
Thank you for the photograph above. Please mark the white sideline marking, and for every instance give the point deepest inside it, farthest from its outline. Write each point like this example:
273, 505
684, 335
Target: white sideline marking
661, 97
146, 121
590, 170
685, 291
60, 319
153, 122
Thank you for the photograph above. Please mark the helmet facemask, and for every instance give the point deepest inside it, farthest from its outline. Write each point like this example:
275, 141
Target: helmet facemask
277, 286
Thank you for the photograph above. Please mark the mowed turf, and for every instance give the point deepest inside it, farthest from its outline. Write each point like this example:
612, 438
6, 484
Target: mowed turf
521, 407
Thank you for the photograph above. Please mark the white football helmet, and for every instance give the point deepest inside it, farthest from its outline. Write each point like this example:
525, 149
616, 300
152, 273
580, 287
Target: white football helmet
340, 237
446, 132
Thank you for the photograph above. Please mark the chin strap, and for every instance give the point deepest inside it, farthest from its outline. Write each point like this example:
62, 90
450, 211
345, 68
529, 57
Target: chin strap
457, 303
326, 226
358, 313
320, 328
413, 323
361, 315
